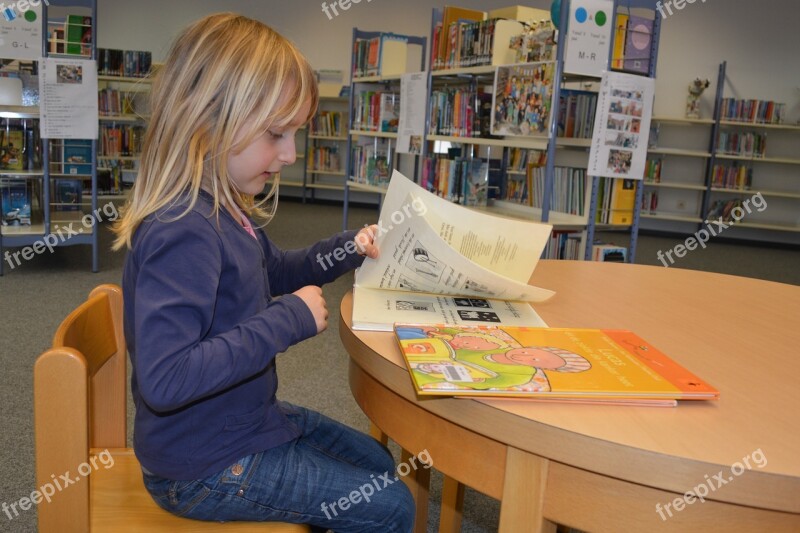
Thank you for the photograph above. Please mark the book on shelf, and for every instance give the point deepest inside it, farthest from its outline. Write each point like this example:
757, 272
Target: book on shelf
722, 209
609, 253
638, 44
68, 195
461, 180
623, 199
446, 31
441, 262
742, 143
460, 112
77, 157
376, 111
650, 202
618, 47
736, 177
328, 124
389, 117
576, 114
370, 161
12, 148
324, 158
652, 170
124, 63
385, 54
564, 245
752, 111
15, 202
78, 30
536, 362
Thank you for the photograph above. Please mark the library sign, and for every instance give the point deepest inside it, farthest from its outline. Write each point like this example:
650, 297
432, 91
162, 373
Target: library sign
588, 37
21, 29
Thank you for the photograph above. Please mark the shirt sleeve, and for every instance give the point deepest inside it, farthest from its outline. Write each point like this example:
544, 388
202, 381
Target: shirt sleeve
317, 264
177, 363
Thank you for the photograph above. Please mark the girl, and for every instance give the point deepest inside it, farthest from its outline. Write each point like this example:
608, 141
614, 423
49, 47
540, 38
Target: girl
203, 319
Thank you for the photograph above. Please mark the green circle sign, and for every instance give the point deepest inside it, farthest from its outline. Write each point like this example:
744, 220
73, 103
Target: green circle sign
600, 18
30, 15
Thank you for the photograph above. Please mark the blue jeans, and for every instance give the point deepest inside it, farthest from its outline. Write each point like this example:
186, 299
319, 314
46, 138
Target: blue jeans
331, 477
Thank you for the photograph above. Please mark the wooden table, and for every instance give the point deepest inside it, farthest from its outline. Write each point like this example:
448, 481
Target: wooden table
611, 468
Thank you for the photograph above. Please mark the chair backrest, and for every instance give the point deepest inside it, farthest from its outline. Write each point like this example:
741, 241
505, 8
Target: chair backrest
79, 403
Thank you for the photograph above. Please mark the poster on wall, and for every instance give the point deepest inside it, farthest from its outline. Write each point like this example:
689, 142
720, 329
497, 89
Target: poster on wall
523, 99
621, 126
21, 31
588, 37
68, 98
411, 126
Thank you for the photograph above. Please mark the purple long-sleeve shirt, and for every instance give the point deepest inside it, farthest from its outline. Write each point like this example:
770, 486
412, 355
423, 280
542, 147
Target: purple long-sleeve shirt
204, 320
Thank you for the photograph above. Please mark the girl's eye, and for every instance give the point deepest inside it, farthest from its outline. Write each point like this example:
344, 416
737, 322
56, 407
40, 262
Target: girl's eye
275, 135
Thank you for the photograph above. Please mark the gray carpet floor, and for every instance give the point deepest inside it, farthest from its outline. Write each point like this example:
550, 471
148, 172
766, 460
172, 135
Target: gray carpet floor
37, 295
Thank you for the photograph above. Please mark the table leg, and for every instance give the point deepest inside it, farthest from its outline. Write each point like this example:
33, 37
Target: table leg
452, 506
418, 482
522, 505
376, 433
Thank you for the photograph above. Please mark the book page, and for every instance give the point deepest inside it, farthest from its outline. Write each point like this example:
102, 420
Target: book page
505, 246
378, 310
415, 257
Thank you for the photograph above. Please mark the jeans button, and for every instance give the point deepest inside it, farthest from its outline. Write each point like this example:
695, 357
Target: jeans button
237, 470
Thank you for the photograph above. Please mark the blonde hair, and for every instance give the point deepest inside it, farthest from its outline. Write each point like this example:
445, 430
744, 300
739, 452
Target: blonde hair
224, 73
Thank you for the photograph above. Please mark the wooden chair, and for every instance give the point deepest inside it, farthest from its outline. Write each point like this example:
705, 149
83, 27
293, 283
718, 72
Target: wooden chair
80, 412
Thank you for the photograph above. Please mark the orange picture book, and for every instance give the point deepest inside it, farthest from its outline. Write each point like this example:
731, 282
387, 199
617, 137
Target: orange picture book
558, 363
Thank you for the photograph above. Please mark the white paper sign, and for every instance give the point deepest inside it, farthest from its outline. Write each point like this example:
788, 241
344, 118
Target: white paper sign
21, 31
411, 126
588, 37
621, 126
68, 98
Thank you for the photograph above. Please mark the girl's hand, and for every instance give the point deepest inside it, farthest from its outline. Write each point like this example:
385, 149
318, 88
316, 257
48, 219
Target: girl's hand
312, 296
365, 241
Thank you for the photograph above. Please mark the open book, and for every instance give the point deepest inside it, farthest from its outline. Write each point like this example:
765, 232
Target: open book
574, 364
443, 263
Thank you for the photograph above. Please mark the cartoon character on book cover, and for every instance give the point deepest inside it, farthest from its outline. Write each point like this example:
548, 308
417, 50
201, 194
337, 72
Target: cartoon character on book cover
443, 358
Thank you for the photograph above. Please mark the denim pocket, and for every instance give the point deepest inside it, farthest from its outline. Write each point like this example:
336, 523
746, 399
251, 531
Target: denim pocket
177, 497
241, 472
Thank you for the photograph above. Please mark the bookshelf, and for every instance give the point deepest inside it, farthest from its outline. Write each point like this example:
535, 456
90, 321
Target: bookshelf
326, 155
123, 114
49, 190
675, 176
541, 177
378, 62
750, 160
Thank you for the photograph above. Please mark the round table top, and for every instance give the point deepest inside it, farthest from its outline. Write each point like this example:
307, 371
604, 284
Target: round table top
741, 335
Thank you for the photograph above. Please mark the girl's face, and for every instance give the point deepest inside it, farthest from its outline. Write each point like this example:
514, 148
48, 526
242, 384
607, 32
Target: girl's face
252, 167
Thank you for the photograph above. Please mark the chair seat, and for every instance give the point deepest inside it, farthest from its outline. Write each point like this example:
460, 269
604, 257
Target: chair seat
120, 504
